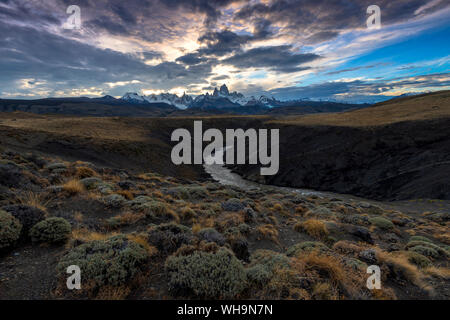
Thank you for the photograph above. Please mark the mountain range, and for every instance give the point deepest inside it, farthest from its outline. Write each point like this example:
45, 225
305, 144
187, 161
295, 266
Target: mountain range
131, 104
219, 99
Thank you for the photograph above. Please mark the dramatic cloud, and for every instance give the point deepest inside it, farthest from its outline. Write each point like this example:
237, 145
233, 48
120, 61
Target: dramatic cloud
291, 47
276, 58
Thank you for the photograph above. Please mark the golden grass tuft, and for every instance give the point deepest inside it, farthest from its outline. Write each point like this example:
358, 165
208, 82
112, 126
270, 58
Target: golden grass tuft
126, 194
314, 228
74, 187
267, 231
85, 235
139, 239
401, 267
35, 200
85, 172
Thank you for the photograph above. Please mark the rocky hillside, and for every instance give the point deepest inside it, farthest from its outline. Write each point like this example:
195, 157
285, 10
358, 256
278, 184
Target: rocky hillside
395, 150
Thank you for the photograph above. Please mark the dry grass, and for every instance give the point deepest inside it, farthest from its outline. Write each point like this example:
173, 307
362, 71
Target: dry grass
126, 194
301, 209
86, 235
74, 187
228, 220
85, 172
347, 248
78, 216
139, 239
432, 106
401, 267
268, 231
439, 272
314, 228
113, 293
129, 218
36, 200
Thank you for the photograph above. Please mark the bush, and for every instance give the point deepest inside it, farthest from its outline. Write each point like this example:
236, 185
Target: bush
113, 261
10, 229
233, 205
91, 182
114, 200
212, 235
382, 223
420, 238
188, 192
269, 259
418, 259
27, 215
258, 274
51, 230
206, 275
169, 237
306, 247
425, 251
440, 251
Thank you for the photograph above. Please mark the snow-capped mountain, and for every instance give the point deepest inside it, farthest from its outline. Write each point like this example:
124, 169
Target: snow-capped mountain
219, 99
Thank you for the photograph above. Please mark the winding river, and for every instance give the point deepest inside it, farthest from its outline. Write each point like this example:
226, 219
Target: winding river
225, 176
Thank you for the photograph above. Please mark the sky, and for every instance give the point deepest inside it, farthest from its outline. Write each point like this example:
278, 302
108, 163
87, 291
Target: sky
316, 49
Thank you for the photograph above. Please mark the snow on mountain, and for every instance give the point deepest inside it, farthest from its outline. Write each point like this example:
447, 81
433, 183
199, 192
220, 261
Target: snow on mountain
220, 98
133, 97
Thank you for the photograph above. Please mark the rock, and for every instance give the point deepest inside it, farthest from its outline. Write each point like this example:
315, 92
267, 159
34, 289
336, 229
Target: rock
91, 182
212, 235
56, 165
126, 185
362, 233
368, 256
55, 189
249, 215
240, 249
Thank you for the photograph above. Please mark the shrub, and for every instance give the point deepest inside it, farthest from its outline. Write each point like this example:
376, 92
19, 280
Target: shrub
169, 237
206, 275
212, 235
10, 229
269, 259
426, 244
154, 208
425, 251
315, 228
382, 223
418, 259
420, 238
258, 274
233, 205
27, 215
306, 247
113, 261
51, 230
91, 183
114, 200
188, 192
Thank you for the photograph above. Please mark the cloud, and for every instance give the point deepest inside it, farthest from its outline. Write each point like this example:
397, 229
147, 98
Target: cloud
365, 90
276, 58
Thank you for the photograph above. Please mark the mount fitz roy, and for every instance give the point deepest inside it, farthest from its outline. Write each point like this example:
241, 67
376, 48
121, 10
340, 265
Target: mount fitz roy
220, 99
